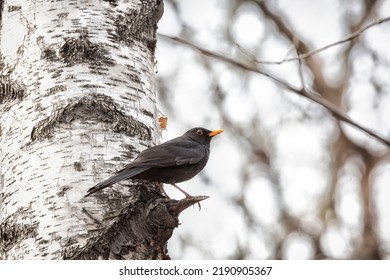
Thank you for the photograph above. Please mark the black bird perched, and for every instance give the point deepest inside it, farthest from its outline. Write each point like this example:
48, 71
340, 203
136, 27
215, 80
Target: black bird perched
172, 162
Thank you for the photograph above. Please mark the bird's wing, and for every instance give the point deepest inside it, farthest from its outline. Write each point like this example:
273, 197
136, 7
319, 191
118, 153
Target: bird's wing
172, 153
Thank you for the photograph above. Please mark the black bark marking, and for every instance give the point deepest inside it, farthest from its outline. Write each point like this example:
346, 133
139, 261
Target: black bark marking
55, 89
140, 25
78, 166
12, 233
112, 2
10, 90
50, 54
81, 49
99, 109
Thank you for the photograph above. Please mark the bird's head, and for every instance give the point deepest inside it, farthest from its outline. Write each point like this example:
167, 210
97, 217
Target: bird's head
202, 135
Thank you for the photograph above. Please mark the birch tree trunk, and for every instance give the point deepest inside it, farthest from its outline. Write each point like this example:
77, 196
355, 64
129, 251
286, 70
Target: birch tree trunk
77, 100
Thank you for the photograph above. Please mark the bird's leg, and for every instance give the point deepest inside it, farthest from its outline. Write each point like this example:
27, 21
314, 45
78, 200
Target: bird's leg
177, 187
161, 188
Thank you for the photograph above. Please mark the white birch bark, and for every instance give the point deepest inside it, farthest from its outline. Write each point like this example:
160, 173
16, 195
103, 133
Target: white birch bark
78, 99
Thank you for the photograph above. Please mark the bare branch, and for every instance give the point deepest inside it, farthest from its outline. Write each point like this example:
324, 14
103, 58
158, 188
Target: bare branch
315, 97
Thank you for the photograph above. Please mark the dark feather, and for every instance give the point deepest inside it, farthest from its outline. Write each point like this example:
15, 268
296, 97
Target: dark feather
122, 175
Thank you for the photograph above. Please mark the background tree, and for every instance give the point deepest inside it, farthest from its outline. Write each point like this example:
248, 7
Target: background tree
302, 89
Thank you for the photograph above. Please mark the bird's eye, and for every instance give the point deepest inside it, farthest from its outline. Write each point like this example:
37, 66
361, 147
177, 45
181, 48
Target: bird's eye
199, 132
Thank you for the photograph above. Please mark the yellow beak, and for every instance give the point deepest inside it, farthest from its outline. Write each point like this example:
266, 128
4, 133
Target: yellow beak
215, 132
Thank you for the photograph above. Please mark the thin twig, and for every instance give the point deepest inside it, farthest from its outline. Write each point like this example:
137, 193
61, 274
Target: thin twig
301, 71
316, 51
317, 98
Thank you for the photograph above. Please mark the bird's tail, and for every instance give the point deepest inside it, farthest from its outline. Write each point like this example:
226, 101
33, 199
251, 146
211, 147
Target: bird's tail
122, 175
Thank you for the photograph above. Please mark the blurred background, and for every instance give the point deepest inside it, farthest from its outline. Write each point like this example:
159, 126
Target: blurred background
286, 180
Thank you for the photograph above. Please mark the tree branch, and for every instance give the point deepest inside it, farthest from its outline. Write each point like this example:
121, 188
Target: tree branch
315, 97
352, 36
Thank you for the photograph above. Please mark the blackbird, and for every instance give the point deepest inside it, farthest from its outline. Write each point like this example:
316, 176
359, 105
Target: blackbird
172, 162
